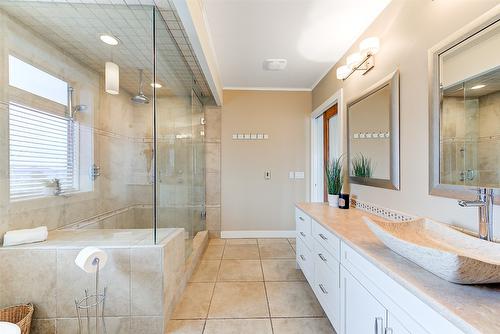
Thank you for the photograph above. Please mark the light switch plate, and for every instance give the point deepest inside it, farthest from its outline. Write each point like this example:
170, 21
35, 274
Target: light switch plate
266, 136
247, 136
291, 175
253, 136
260, 136
240, 136
235, 136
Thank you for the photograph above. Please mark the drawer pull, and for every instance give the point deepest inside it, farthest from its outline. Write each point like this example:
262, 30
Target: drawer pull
379, 325
322, 257
302, 234
323, 289
302, 257
322, 236
301, 218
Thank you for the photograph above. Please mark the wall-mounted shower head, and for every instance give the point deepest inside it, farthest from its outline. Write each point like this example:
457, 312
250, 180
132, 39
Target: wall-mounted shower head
72, 110
140, 98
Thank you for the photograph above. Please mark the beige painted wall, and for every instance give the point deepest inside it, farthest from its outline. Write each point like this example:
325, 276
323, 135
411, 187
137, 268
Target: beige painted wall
249, 202
407, 29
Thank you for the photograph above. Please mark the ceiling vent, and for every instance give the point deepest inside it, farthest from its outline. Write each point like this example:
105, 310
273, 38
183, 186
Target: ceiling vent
274, 64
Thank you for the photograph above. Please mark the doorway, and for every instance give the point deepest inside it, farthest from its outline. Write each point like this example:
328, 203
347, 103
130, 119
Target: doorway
326, 142
330, 148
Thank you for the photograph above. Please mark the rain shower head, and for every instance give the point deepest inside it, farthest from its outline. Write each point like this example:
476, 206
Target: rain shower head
140, 98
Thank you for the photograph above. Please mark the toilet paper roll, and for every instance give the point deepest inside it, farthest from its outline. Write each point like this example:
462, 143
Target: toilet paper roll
87, 259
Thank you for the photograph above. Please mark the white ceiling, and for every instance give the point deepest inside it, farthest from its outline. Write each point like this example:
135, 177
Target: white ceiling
311, 34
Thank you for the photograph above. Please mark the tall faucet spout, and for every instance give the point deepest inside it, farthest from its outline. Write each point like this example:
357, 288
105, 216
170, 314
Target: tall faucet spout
484, 203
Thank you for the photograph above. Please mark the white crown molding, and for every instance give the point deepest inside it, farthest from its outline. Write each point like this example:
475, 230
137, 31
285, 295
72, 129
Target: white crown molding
278, 89
256, 234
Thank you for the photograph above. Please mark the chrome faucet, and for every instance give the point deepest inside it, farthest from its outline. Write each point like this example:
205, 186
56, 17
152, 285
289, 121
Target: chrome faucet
484, 203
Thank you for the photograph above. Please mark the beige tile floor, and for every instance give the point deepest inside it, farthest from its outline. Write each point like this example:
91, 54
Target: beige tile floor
249, 286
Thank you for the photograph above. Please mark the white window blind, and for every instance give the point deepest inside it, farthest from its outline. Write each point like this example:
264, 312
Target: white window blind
42, 147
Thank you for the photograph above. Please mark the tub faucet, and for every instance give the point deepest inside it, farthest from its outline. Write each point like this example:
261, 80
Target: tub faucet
484, 203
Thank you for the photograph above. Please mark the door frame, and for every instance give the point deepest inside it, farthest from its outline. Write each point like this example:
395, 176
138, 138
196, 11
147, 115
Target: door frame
317, 168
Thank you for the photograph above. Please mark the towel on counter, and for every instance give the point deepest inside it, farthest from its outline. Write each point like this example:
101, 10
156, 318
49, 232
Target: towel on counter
19, 237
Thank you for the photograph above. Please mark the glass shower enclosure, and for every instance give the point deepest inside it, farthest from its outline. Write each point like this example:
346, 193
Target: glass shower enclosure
101, 124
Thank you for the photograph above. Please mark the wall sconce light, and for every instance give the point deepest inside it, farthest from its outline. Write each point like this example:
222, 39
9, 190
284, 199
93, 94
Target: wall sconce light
360, 61
112, 78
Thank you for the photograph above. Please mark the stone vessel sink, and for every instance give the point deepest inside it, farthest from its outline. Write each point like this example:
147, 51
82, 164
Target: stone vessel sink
452, 255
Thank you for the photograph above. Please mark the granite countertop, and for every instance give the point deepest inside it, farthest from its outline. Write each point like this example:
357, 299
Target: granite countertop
472, 308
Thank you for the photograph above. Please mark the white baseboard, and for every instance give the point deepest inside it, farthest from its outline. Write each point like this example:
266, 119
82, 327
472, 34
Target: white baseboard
257, 234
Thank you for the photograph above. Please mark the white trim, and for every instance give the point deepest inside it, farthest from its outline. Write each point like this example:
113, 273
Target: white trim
257, 234
317, 145
270, 89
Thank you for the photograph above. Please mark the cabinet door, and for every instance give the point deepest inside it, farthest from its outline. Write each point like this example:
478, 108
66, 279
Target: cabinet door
394, 326
360, 311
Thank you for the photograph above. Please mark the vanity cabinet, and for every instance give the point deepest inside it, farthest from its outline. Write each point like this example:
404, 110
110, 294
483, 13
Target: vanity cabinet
360, 311
358, 297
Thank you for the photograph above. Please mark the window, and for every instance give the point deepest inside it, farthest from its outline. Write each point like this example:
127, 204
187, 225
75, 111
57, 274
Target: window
33, 80
43, 146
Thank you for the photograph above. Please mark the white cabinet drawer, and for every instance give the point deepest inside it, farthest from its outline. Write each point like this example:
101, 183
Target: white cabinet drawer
303, 223
326, 239
305, 260
327, 289
322, 255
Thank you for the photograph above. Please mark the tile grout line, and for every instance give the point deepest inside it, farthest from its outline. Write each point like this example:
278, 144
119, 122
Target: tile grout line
265, 287
215, 284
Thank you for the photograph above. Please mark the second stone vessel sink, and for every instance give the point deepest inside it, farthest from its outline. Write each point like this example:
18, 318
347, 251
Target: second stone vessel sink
452, 255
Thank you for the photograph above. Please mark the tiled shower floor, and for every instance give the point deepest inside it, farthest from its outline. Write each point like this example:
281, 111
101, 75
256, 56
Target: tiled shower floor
248, 286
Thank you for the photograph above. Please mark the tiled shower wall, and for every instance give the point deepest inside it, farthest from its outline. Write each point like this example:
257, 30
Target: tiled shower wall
213, 170
471, 140
117, 137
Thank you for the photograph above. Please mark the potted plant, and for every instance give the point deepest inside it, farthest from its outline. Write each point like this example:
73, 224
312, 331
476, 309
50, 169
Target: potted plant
334, 180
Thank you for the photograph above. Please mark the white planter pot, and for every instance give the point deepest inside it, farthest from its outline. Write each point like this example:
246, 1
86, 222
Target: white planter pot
333, 200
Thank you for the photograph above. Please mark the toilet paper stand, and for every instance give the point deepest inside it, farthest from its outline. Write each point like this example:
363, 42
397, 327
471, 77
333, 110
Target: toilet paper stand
92, 305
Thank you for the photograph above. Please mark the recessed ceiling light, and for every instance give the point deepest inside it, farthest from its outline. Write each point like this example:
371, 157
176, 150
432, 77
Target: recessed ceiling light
275, 64
478, 86
156, 85
108, 39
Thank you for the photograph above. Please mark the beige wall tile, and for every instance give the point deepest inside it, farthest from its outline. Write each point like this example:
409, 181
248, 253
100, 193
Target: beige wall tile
213, 124
72, 281
29, 276
114, 325
43, 326
213, 189
251, 301
146, 325
238, 326
213, 218
146, 281
212, 158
